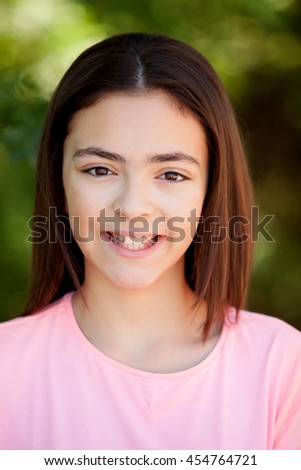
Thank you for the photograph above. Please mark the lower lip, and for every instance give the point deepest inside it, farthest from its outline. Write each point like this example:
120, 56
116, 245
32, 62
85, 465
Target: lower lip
134, 253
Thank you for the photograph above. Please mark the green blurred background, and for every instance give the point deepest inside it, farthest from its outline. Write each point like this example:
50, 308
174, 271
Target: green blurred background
255, 47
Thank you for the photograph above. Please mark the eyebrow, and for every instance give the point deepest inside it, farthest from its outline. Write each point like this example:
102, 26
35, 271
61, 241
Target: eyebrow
160, 158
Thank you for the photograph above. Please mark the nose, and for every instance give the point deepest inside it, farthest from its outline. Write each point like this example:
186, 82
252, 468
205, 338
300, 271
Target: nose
134, 199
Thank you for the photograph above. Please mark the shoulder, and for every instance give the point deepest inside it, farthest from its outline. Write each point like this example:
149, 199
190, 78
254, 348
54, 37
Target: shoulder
257, 327
270, 354
266, 327
264, 338
25, 332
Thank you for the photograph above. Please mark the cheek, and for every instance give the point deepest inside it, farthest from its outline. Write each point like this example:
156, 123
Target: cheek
181, 230
82, 215
84, 201
185, 213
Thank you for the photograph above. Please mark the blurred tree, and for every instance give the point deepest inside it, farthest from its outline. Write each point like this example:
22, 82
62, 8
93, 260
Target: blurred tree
254, 46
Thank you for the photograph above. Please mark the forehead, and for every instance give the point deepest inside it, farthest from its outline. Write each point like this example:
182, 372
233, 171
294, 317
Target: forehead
152, 122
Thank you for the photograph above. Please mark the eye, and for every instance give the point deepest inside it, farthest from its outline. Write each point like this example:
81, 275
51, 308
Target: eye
99, 171
173, 176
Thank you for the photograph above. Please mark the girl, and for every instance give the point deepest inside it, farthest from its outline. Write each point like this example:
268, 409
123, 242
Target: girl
135, 337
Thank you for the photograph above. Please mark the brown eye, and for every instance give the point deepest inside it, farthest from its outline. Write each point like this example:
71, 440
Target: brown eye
173, 176
99, 171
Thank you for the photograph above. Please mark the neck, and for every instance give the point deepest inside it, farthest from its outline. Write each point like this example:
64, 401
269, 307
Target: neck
131, 324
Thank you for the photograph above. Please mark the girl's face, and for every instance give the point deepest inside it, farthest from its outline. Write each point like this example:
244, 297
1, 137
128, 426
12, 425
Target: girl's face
135, 176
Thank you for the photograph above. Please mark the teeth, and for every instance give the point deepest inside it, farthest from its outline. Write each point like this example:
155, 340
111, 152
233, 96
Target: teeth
133, 243
130, 240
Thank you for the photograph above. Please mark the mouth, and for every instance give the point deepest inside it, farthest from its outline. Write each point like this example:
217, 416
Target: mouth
131, 242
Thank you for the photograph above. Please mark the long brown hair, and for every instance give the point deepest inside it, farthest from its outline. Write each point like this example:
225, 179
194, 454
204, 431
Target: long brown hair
217, 268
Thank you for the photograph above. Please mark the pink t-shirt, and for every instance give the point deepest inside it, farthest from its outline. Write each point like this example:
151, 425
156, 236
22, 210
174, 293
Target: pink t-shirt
57, 391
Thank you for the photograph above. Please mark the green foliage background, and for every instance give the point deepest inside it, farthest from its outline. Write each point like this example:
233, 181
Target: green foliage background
255, 47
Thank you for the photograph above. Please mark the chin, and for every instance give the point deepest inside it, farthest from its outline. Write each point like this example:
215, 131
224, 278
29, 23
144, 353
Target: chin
132, 281
132, 285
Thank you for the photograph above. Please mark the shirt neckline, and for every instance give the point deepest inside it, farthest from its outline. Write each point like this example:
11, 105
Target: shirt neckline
100, 356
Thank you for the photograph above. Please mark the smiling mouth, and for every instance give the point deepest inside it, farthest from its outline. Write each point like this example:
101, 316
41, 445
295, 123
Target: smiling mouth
133, 243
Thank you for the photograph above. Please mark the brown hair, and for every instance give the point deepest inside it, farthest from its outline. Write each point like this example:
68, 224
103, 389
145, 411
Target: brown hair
139, 62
